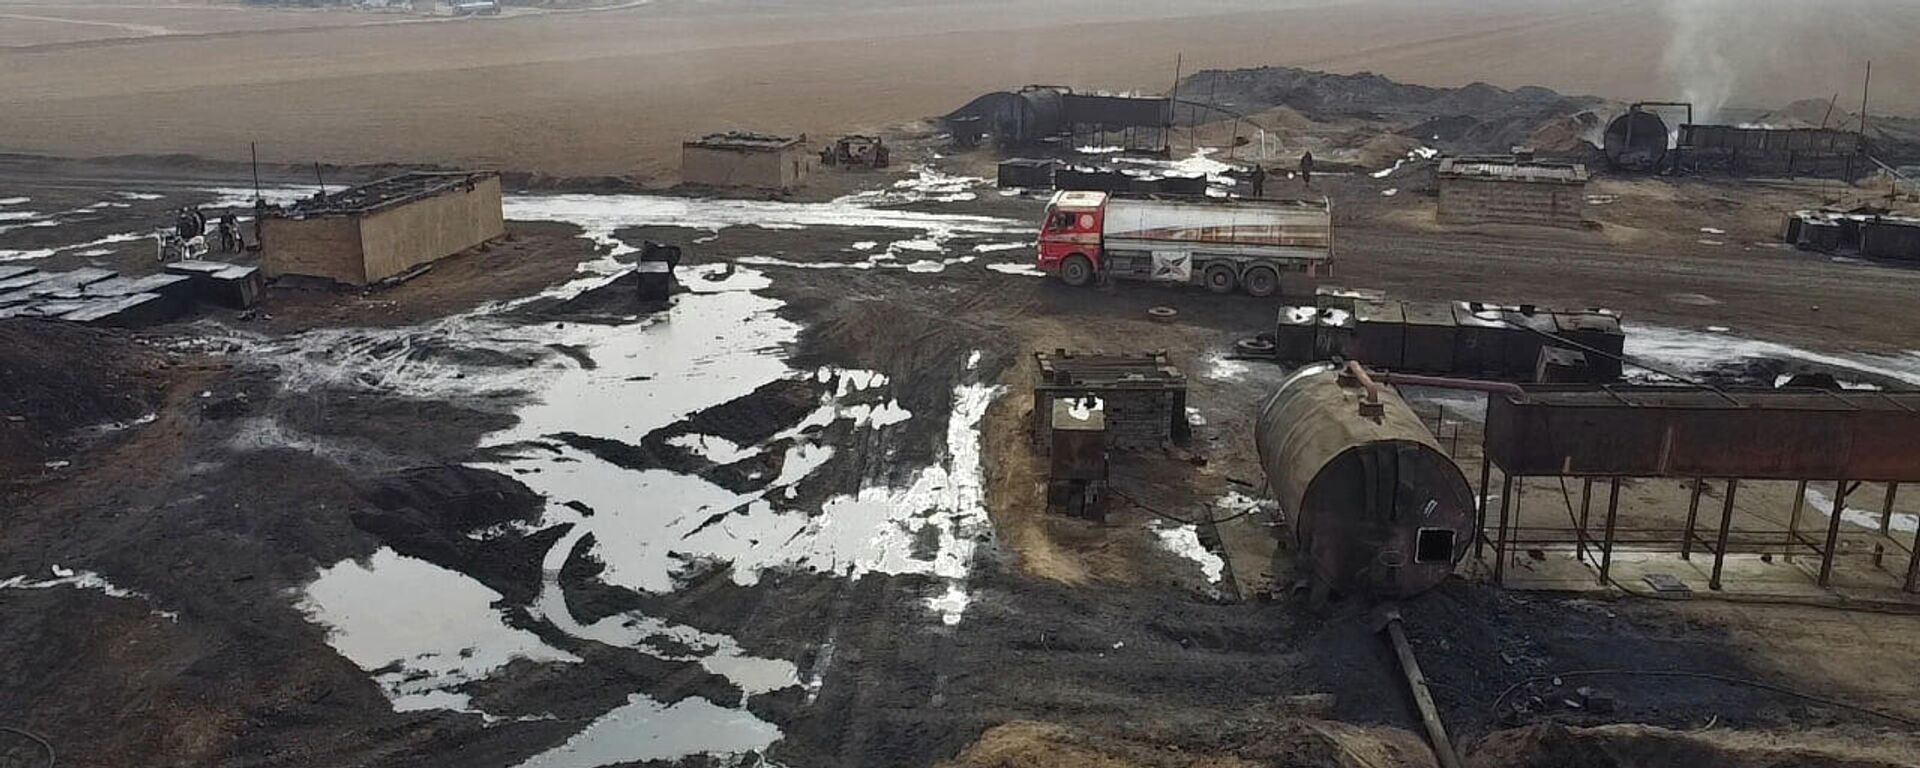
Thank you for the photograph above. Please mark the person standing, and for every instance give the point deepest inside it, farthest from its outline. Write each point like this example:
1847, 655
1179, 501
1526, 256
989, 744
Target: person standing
1306, 168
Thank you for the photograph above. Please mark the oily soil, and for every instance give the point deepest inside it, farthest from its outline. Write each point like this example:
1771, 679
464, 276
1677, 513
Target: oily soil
56, 378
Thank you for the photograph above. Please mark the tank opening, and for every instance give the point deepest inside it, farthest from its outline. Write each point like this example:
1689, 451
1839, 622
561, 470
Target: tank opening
1434, 545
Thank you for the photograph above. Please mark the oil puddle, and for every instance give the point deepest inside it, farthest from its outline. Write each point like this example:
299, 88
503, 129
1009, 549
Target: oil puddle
1698, 352
420, 630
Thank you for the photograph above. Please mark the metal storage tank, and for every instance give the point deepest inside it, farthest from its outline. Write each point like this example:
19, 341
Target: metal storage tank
1375, 506
1636, 141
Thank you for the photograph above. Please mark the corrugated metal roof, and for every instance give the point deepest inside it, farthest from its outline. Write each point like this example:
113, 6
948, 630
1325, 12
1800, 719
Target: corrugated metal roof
1508, 169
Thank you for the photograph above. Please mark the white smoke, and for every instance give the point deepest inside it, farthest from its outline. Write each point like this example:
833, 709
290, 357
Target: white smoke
1700, 51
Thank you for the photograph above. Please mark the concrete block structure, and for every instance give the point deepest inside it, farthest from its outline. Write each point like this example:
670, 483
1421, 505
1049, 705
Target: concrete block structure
1512, 190
749, 160
369, 233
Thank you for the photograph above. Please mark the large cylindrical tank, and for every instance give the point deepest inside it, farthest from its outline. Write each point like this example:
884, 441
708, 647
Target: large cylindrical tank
1636, 141
1375, 506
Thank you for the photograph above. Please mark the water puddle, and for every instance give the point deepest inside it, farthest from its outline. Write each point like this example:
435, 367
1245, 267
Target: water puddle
419, 629
644, 729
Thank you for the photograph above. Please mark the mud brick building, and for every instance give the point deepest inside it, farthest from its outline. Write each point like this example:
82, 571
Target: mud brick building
1512, 190
751, 160
369, 233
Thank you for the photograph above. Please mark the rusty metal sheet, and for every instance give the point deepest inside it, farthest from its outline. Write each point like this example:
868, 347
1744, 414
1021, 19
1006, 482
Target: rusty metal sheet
1675, 432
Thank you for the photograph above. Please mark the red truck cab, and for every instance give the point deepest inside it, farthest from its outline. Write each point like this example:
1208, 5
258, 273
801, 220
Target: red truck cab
1070, 236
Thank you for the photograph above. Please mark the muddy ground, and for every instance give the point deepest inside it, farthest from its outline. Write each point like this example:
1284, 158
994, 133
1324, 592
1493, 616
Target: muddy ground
435, 425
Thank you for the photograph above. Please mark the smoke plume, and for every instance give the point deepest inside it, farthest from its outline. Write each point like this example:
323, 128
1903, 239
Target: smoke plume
1700, 55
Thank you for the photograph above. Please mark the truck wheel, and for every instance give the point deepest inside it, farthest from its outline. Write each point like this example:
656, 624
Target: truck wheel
1262, 282
1220, 278
1077, 271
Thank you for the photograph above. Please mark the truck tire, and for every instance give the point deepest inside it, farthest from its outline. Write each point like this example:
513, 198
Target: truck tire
1077, 271
1220, 278
1261, 282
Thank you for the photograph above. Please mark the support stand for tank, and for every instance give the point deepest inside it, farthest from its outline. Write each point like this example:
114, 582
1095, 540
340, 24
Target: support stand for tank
1693, 515
1613, 516
1586, 507
1833, 533
1793, 518
1480, 516
1500, 539
1726, 526
1417, 685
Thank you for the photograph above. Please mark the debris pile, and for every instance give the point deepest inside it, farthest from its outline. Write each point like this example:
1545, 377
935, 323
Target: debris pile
94, 296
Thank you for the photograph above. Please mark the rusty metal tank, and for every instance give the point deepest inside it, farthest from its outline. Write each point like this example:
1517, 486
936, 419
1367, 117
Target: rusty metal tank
1636, 141
1376, 507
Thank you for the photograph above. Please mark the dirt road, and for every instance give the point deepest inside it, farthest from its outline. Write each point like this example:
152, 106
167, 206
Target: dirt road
613, 93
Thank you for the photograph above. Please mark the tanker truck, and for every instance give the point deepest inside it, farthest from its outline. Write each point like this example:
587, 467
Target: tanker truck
1221, 243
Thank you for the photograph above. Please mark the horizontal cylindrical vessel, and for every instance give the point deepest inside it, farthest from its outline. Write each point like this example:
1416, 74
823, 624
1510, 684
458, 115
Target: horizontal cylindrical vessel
1636, 141
1375, 506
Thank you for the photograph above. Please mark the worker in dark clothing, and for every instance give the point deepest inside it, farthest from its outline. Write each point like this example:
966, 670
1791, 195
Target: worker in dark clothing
230, 241
1306, 168
183, 224
1259, 179
259, 215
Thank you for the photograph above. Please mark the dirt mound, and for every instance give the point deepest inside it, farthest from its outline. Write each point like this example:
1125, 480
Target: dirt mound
1476, 118
57, 378
1289, 743
1639, 746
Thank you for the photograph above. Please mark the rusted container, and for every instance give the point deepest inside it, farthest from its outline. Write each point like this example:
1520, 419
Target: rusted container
1428, 345
1380, 328
1479, 340
1636, 141
1521, 350
1376, 507
1294, 333
1596, 331
1334, 337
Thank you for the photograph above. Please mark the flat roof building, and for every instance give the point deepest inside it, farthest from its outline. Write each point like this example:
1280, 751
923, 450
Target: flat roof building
1512, 189
366, 234
751, 160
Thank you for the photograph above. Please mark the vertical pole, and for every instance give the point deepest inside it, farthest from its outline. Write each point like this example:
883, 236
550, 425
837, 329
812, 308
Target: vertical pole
253, 148
1500, 539
1886, 509
1172, 102
1886, 524
1864, 89
1833, 532
1913, 564
1586, 508
320, 178
1693, 514
1613, 514
1480, 517
1726, 526
1793, 520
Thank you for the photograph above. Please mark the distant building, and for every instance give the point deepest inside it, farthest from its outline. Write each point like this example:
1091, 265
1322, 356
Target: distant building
1512, 189
369, 233
751, 160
